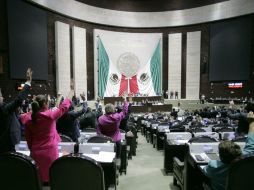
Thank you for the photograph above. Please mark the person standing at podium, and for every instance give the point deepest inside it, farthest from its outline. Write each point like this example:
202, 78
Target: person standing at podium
108, 124
176, 94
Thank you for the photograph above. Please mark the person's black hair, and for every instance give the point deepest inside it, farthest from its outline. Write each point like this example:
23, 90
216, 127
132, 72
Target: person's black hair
71, 108
88, 110
37, 105
249, 107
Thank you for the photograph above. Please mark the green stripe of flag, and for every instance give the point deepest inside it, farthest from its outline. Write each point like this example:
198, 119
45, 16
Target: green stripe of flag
155, 68
103, 68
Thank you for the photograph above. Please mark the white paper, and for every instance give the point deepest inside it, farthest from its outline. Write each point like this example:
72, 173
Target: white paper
24, 152
102, 156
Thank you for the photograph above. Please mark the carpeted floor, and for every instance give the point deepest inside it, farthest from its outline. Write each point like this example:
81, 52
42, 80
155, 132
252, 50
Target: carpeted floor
145, 171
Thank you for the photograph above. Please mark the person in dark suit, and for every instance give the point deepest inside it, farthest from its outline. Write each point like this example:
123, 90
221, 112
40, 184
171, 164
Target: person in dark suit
83, 101
68, 124
241, 116
174, 113
176, 94
123, 123
98, 112
88, 120
10, 131
97, 103
171, 94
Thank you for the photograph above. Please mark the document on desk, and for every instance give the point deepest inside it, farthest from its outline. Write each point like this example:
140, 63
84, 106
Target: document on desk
102, 156
27, 152
205, 157
180, 141
213, 156
200, 157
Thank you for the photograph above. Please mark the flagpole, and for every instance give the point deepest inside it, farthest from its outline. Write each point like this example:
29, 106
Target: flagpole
98, 62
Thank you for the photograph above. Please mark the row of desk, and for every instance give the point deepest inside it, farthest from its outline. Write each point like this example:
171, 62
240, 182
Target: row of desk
194, 155
104, 153
175, 144
113, 100
151, 108
225, 101
194, 176
145, 105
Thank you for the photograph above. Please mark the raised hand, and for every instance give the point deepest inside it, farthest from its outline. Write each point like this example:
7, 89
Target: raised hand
83, 96
29, 74
71, 93
250, 117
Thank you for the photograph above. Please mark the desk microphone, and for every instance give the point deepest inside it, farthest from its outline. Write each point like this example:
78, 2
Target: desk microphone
76, 148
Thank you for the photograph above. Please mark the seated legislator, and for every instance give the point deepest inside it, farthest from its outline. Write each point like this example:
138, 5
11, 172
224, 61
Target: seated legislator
10, 131
41, 134
108, 124
217, 170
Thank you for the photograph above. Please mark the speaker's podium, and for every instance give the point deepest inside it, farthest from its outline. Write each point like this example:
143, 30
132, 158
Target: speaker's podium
142, 104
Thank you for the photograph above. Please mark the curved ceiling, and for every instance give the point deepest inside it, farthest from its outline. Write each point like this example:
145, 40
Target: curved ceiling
93, 14
149, 5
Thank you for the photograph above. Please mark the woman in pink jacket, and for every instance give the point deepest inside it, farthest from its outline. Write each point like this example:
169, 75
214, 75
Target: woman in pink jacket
41, 134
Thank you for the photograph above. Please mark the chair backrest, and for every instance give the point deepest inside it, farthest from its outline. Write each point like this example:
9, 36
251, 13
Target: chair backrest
196, 129
240, 174
89, 130
163, 128
227, 135
65, 138
177, 127
210, 134
99, 139
75, 171
240, 139
154, 125
18, 171
202, 139
179, 135
225, 129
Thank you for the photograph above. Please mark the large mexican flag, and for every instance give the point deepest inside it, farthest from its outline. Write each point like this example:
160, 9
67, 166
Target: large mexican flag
128, 75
